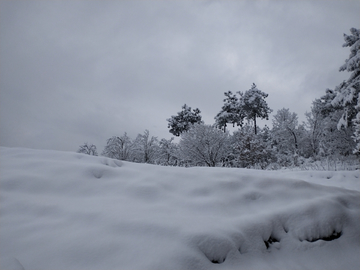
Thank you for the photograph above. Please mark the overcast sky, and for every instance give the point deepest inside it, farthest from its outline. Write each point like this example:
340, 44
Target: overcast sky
84, 71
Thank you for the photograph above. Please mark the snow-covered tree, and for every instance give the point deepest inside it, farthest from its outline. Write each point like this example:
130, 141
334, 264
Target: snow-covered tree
248, 150
168, 153
304, 142
183, 120
356, 121
348, 91
118, 148
285, 126
315, 124
231, 112
289, 138
253, 105
326, 139
145, 148
203, 145
87, 148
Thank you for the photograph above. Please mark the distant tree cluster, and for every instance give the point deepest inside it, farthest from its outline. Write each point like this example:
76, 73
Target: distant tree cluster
143, 149
332, 128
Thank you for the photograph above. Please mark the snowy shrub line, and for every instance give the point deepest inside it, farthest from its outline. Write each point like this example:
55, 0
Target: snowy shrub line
332, 164
205, 145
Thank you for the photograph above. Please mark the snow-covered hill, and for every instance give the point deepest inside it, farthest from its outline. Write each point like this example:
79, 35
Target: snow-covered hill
62, 210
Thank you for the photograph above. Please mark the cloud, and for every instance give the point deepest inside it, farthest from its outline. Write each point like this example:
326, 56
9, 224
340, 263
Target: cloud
75, 71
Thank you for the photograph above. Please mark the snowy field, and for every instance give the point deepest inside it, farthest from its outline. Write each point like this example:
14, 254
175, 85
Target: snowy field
62, 210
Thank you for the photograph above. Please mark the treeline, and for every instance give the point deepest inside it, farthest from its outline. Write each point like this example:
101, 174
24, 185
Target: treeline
331, 129
287, 144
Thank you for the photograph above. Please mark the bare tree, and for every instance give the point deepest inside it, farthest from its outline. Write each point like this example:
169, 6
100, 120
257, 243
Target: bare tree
89, 149
145, 148
118, 148
284, 126
168, 152
204, 145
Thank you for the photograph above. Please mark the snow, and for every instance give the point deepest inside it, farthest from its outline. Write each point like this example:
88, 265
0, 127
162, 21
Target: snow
62, 210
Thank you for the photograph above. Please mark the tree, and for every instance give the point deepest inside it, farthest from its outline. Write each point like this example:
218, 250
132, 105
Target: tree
322, 122
168, 152
315, 125
325, 139
183, 121
253, 105
203, 145
356, 136
118, 148
230, 112
285, 129
347, 93
89, 149
145, 148
248, 150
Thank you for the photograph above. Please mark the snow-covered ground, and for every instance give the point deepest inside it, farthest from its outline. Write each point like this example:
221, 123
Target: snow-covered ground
62, 210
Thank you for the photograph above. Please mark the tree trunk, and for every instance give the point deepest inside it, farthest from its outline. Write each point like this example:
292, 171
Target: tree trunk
255, 124
295, 139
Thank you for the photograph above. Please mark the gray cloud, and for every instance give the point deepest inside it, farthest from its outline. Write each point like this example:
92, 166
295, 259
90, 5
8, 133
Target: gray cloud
76, 71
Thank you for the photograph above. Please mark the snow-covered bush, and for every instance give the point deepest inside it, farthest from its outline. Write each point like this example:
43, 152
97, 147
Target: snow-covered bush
168, 153
203, 145
119, 148
331, 163
248, 150
87, 148
145, 148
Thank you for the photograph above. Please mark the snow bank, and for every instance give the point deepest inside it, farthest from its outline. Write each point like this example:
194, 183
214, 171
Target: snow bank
63, 210
342, 179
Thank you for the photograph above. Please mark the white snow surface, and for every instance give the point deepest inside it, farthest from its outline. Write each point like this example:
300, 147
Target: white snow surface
62, 210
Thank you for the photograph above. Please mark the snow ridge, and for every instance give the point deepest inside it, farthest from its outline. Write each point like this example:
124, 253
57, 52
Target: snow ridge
62, 210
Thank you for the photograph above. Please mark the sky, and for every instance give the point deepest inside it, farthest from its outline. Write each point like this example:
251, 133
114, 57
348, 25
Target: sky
84, 71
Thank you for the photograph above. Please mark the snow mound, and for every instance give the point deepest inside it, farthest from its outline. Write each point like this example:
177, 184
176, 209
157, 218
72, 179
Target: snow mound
343, 179
63, 210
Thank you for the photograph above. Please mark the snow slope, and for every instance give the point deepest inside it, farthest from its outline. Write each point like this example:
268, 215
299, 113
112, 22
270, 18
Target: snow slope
62, 210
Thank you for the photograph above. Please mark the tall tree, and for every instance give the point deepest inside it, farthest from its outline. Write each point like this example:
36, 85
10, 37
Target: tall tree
230, 112
357, 129
322, 123
253, 105
285, 129
146, 148
348, 91
315, 124
183, 120
168, 152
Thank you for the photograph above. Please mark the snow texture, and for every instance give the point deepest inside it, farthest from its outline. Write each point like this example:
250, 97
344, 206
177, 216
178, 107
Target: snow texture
62, 210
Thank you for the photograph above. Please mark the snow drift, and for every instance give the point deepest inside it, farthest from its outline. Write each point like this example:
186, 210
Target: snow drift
63, 210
